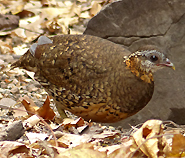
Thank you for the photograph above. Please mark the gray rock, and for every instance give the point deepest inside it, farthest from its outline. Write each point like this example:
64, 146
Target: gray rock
14, 90
13, 132
3, 77
7, 102
134, 23
32, 88
3, 85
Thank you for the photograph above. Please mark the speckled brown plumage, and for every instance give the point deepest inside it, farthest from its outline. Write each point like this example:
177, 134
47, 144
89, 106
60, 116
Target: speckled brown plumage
92, 77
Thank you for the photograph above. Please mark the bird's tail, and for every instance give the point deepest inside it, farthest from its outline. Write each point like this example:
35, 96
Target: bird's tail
26, 61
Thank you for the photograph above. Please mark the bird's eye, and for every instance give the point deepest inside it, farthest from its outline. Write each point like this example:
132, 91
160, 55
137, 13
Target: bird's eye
153, 58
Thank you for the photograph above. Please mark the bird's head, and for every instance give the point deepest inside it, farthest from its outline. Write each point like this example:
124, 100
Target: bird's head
150, 58
147, 60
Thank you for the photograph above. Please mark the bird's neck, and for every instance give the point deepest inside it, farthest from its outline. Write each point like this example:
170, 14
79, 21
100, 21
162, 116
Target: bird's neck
136, 67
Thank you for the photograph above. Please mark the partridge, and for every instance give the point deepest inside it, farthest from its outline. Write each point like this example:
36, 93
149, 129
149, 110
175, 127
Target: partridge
92, 77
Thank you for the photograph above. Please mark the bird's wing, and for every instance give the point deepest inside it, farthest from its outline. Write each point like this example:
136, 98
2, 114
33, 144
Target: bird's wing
78, 59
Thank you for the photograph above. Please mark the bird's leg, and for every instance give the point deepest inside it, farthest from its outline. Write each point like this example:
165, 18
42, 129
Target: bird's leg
61, 111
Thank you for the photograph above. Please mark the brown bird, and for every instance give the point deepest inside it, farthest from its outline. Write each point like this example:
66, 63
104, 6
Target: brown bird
93, 77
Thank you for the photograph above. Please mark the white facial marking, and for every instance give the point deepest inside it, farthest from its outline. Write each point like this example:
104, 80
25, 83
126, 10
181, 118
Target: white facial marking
41, 40
44, 40
33, 48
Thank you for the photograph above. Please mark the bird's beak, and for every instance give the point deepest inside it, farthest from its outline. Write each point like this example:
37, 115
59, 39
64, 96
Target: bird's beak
168, 63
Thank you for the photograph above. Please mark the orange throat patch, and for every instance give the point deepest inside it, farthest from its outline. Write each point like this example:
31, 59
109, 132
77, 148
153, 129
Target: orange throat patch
134, 65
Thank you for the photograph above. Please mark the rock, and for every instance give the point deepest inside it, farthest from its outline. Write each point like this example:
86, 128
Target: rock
3, 77
10, 86
7, 102
3, 85
126, 18
38, 96
14, 90
32, 88
12, 132
6, 58
15, 81
1, 96
135, 23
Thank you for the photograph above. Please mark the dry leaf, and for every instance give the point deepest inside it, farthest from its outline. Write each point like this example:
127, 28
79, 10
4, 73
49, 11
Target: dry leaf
67, 123
25, 14
31, 121
29, 105
60, 144
82, 151
5, 48
45, 111
20, 50
36, 137
17, 7
73, 140
78, 122
20, 113
105, 134
125, 150
12, 148
178, 146
150, 147
96, 7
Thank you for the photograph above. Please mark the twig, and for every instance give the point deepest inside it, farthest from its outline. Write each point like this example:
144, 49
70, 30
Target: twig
30, 30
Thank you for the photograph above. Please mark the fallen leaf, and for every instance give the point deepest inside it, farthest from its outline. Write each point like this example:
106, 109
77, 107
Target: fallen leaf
105, 134
82, 151
178, 146
78, 122
60, 144
36, 137
31, 121
125, 150
96, 7
29, 105
150, 129
25, 13
19, 113
45, 111
11, 148
73, 140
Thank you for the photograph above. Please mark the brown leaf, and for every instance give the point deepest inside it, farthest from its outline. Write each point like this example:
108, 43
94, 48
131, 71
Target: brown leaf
178, 146
45, 111
125, 150
44, 3
82, 151
60, 144
67, 123
11, 148
78, 122
73, 140
150, 129
25, 14
105, 134
29, 105
96, 7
